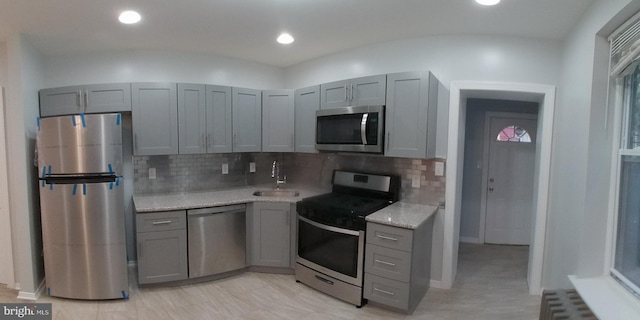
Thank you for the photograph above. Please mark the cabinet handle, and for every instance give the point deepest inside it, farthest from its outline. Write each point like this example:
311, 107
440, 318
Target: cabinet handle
155, 223
385, 262
209, 140
384, 291
351, 93
135, 143
327, 281
86, 99
235, 140
292, 141
386, 238
346, 93
79, 99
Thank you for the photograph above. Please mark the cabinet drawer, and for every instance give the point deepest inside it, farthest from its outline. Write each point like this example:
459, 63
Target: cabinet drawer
390, 237
388, 263
161, 221
385, 291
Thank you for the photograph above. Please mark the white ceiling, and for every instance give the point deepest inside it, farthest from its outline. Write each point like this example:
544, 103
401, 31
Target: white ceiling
247, 29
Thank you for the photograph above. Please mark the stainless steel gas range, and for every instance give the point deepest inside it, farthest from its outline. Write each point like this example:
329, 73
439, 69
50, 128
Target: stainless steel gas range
331, 232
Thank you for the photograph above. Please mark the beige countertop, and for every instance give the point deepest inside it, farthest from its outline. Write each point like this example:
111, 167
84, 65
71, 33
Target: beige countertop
204, 199
403, 215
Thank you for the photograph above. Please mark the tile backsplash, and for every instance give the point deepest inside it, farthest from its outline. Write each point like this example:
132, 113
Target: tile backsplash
185, 173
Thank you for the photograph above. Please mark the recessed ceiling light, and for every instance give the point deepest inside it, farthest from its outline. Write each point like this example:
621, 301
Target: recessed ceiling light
488, 2
129, 17
285, 38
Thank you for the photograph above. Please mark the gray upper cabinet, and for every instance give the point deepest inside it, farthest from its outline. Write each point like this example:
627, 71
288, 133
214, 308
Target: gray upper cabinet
411, 114
155, 118
353, 92
96, 98
247, 120
269, 231
307, 102
192, 118
219, 119
278, 121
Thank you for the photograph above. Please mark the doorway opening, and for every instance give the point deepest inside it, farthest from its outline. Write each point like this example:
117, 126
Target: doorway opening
461, 94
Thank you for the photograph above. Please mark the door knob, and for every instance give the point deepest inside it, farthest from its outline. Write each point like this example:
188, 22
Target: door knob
490, 189
490, 179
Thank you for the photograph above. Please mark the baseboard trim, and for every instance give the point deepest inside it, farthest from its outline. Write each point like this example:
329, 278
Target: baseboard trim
470, 240
24, 295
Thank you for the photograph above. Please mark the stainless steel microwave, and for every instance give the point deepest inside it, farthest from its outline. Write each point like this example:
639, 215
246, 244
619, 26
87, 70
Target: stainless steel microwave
350, 129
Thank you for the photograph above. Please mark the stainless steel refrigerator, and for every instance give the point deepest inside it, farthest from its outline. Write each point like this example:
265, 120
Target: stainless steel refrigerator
82, 206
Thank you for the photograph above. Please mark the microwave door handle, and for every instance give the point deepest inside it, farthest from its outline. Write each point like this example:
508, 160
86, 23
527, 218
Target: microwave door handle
363, 128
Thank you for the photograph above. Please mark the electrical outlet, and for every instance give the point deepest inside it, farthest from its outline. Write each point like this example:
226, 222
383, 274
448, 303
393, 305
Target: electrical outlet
225, 168
415, 181
252, 167
439, 169
152, 173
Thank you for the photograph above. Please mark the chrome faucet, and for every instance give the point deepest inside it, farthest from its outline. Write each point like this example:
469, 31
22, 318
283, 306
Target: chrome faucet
275, 173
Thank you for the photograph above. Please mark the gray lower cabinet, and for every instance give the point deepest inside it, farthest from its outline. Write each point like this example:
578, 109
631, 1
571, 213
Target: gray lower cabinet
155, 118
364, 91
397, 265
161, 238
307, 102
246, 106
269, 234
95, 98
411, 115
278, 121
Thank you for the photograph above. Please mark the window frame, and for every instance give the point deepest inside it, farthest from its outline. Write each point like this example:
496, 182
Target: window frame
622, 101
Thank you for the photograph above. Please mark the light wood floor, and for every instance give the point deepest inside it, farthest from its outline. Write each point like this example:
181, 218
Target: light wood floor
491, 284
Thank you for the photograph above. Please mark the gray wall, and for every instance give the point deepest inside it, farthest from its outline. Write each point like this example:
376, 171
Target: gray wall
473, 159
22, 109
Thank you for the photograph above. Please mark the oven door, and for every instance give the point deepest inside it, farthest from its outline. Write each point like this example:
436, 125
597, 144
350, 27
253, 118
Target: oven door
333, 251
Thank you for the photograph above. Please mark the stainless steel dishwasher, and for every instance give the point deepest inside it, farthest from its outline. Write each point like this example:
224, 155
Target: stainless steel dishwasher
217, 240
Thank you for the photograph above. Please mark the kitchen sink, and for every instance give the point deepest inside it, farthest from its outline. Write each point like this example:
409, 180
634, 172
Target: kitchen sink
276, 193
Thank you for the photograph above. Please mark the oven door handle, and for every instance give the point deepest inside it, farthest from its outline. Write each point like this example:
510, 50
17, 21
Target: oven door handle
329, 228
363, 128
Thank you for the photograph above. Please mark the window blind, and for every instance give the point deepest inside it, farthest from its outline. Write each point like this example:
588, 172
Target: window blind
625, 47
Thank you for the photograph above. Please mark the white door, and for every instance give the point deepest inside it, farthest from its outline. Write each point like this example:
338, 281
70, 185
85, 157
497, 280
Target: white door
6, 251
509, 179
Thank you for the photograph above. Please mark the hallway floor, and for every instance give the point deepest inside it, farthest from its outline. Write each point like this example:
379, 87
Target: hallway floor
491, 284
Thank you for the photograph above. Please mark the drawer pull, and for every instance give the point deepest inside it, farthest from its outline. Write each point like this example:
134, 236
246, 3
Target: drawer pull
386, 238
155, 223
327, 281
387, 263
384, 291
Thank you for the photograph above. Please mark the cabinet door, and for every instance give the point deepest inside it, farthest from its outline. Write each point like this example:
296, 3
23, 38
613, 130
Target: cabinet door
162, 256
307, 102
219, 120
270, 227
411, 115
61, 101
368, 91
334, 94
277, 121
111, 97
192, 118
247, 120
155, 118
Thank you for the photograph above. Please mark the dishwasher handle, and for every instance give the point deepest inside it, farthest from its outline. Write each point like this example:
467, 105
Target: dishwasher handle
194, 213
